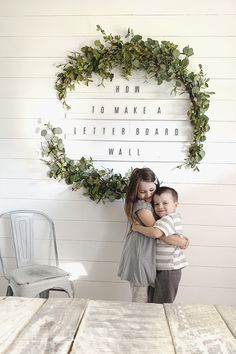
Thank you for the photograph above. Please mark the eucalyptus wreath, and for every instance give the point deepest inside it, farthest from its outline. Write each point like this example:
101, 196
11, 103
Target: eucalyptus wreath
161, 61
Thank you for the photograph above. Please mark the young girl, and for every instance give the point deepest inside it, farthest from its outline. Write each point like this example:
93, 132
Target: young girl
137, 264
138, 259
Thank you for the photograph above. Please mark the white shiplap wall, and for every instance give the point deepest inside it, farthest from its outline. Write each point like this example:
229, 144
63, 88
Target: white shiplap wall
36, 35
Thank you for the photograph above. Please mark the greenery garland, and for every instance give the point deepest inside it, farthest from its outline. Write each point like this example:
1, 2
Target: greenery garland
162, 61
98, 185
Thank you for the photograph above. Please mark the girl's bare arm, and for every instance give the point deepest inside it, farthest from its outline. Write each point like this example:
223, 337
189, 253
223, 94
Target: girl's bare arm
146, 216
148, 231
176, 240
154, 232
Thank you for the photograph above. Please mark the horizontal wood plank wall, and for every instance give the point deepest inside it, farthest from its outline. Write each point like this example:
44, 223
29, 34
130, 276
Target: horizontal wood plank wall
34, 37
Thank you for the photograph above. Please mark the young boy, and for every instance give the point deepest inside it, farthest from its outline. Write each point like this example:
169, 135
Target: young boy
169, 259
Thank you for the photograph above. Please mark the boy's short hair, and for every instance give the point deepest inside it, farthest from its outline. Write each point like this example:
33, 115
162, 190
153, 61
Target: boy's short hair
165, 189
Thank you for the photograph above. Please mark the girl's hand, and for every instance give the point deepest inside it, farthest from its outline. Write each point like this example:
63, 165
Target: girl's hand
185, 243
133, 226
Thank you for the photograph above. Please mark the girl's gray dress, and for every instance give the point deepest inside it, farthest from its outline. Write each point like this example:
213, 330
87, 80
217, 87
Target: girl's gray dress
138, 258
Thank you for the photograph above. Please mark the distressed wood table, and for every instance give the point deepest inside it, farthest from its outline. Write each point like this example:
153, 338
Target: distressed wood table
99, 327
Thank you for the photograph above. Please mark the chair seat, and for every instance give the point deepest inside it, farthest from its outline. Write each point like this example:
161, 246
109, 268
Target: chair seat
36, 272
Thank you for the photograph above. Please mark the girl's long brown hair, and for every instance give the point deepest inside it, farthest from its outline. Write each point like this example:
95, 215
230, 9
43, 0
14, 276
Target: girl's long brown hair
138, 175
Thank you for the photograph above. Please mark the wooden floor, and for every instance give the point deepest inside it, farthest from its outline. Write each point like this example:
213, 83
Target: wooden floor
96, 327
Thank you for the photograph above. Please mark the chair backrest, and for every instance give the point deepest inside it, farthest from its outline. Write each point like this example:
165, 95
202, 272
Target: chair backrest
23, 229
23, 235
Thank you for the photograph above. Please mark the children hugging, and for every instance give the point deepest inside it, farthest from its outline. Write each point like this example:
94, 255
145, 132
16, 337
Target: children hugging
152, 255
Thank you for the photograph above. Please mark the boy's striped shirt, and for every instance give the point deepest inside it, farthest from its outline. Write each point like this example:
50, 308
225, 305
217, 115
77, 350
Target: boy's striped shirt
170, 257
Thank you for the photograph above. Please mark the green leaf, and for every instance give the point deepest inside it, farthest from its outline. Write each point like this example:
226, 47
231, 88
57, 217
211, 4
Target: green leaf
97, 43
185, 62
176, 53
43, 132
188, 51
57, 130
178, 83
136, 38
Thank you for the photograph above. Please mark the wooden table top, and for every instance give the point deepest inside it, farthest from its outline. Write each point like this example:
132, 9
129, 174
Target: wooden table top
62, 325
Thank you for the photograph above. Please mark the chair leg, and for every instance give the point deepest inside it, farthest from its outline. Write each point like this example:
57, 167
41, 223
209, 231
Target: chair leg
9, 291
44, 294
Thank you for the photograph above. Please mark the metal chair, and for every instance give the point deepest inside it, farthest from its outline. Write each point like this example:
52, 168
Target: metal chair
29, 278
